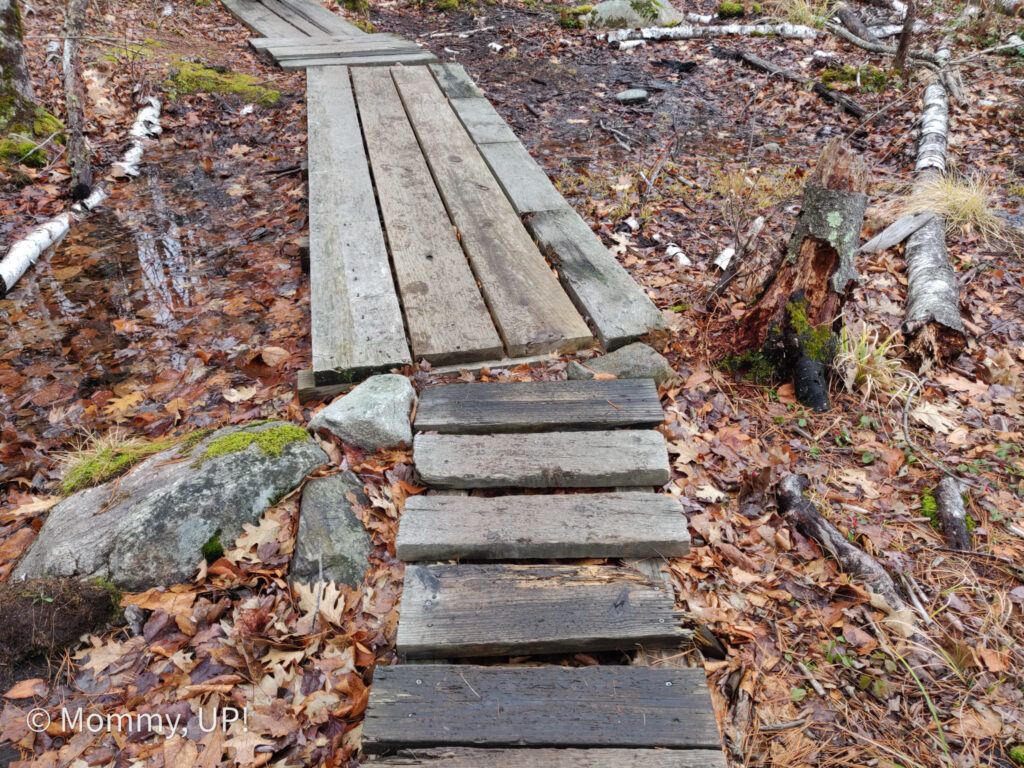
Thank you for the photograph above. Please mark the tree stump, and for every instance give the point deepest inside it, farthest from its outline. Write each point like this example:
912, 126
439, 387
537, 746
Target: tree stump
795, 322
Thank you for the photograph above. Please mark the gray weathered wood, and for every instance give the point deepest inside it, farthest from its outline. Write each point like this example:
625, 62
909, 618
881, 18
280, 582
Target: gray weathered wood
365, 60
455, 611
467, 757
257, 18
297, 20
291, 46
525, 184
618, 309
536, 527
445, 313
896, 232
543, 460
357, 323
538, 406
458, 705
482, 121
531, 310
455, 82
329, 23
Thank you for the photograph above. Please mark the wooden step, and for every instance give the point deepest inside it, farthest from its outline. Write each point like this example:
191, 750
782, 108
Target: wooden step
557, 526
468, 706
468, 757
539, 406
454, 611
406, 58
602, 459
357, 325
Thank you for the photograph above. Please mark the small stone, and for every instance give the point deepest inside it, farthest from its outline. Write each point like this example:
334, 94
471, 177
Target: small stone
635, 361
632, 96
771, 148
330, 533
372, 416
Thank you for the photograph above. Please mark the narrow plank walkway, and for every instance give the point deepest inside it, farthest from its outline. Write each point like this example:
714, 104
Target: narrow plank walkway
550, 715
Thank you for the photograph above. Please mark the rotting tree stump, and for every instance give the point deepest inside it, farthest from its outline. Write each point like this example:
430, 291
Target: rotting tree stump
795, 322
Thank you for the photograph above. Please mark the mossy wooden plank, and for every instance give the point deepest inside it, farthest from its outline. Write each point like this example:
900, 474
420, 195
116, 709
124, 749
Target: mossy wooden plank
456, 611
542, 526
444, 705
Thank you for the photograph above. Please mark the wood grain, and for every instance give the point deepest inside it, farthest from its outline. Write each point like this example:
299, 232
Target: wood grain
445, 313
524, 182
329, 23
548, 526
448, 705
364, 60
258, 19
454, 81
616, 306
357, 323
456, 611
600, 459
482, 121
538, 406
529, 307
466, 757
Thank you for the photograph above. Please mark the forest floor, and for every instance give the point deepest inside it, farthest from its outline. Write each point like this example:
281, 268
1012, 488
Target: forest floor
182, 305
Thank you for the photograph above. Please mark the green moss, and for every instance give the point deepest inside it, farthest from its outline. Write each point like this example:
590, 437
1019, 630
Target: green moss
109, 460
192, 439
115, 596
270, 441
870, 78
1016, 753
213, 550
930, 510
446, 5
751, 365
817, 342
731, 10
26, 152
356, 6
204, 3
756, 8
45, 125
367, 26
195, 78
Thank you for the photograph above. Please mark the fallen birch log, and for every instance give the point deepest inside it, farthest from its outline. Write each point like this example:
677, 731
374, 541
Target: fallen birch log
853, 22
949, 504
692, 32
1011, 7
25, 252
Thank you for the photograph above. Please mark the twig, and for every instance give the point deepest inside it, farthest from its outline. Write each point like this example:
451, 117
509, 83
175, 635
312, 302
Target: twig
914, 600
782, 726
619, 135
810, 678
40, 146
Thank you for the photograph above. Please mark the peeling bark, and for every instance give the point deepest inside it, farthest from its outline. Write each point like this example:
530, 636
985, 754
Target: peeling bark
949, 503
690, 32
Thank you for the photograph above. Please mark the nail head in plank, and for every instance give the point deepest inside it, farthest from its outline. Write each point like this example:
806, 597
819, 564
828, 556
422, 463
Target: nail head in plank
536, 527
356, 319
606, 706
616, 306
455, 82
445, 313
525, 184
468, 757
482, 121
529, 307
543, 460
482, 408
455, 611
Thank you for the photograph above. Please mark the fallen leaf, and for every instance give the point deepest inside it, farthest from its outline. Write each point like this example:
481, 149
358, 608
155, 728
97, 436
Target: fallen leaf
27, 689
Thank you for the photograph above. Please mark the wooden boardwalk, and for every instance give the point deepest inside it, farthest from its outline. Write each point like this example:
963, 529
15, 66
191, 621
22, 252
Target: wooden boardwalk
508, 602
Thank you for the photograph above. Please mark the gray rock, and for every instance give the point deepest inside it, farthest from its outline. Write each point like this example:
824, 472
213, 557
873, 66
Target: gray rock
623, 14
632, 96
148, 527
372, 416
330, 531
635, 361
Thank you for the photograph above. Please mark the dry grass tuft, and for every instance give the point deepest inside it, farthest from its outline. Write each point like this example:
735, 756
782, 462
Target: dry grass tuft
99, 458
811, 13
965, 203
867, 364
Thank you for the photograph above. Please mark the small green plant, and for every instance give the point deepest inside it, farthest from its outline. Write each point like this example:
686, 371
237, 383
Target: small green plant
797, 694
865, 363
731, 10
1016, 753
572, 18
756, 8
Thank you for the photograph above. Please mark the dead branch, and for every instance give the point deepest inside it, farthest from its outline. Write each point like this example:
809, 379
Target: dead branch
949, 503
853, 22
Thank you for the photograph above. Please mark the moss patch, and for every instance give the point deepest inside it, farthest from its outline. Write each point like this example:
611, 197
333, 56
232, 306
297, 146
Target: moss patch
1016, 753
730, 10
367, 26
195, 78
192, 439
751, 365
930, 510
817, 342
270, 441
213, 550
870, 78
19, 150
105, 462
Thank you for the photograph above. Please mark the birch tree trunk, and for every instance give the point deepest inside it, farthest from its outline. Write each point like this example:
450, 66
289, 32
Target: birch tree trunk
16, 94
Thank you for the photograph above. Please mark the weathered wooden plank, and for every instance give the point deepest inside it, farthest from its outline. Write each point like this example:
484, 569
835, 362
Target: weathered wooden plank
289, 44
455, 82
257, 18
334, 51
445, 313
357, 323
455, 611
616, 306
541, 527
529, 307
543, 460
525, 184
467, 757
297, 20
483, 408
459, 705
482, 121
329, 23
369, 60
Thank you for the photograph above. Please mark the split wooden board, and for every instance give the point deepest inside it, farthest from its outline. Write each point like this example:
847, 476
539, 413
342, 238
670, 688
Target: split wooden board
530, 309
601, 459
357, 325
576, 707
290, 18
446, 316
542, 526
539, 406
468, 757
455, 611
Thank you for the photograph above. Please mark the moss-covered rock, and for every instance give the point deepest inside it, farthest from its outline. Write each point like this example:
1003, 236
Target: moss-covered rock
191, 77
731, 10
270, 441
15, 150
